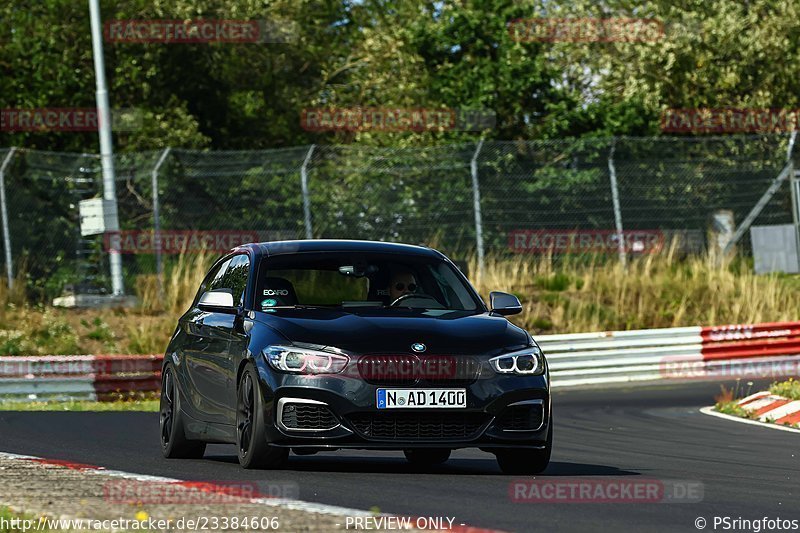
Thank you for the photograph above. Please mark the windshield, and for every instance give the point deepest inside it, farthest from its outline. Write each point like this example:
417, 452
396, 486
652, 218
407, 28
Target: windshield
358, 280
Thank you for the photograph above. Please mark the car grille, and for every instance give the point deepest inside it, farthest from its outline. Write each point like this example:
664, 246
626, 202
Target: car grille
410, 369
521, 417
308, 417
407, 426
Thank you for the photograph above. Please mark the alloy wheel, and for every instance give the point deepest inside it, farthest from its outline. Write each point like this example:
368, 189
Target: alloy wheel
244, 426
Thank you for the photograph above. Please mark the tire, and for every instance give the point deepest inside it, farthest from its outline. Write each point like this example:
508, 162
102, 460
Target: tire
427, 456
526, 461
174, 444
251, 436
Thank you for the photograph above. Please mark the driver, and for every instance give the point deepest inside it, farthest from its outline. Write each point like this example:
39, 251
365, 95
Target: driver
402, 282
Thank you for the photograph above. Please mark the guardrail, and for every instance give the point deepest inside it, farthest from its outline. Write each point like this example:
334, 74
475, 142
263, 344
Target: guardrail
89, 377
710, 353
576, 359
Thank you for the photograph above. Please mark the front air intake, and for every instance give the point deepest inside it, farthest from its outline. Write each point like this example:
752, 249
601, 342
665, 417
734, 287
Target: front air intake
301, 415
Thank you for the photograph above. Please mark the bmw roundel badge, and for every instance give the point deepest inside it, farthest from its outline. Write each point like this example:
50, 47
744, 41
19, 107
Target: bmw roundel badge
418, 347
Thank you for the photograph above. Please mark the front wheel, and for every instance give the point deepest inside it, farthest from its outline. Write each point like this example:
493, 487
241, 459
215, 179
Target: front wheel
526, 461
174, 443
251, 436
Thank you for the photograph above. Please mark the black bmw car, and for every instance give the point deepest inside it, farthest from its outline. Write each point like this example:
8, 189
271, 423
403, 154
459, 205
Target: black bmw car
322, 344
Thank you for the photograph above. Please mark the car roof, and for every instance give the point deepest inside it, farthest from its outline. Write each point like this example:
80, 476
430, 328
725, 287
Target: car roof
337, 245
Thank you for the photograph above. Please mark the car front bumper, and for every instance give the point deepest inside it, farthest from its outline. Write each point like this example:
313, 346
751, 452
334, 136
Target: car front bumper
332, 411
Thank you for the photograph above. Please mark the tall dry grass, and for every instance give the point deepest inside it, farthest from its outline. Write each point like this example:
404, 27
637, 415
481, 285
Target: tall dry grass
560, 294
165, 301
571, 294
180, 283
15, 295
13, 298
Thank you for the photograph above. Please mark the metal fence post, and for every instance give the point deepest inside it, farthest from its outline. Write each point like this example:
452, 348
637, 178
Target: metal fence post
794, 183
306, 197
612, 174
794, 186
157, 219
4, 211
763, 201
476, 199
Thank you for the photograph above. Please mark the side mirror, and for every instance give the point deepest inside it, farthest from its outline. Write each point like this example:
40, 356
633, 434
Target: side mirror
504, 304
218, 300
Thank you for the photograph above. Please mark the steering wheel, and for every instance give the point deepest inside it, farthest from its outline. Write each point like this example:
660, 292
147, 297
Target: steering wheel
404, 297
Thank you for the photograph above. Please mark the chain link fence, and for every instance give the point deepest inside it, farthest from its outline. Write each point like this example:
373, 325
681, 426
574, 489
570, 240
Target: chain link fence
493, 197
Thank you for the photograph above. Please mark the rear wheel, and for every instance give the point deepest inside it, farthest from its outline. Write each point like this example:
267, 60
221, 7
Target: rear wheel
526, 461
251, 437
174, 443
427, 456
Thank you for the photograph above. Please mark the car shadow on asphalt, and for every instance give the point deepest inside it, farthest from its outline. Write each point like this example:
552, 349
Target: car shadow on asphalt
330, 463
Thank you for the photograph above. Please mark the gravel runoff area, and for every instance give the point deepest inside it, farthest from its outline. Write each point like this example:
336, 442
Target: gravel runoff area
41, 489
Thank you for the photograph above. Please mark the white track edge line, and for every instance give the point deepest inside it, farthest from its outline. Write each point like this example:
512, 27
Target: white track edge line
710, 411
298, 505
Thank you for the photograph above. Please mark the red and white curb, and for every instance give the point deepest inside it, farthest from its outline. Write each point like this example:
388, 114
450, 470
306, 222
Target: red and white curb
772, 411
772, 407
286, 503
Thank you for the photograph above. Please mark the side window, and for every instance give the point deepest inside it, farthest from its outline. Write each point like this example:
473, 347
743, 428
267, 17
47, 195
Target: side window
213, 275
217, 280
233, 276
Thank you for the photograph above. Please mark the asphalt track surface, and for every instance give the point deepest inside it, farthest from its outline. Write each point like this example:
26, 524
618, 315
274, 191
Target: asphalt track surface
658, 433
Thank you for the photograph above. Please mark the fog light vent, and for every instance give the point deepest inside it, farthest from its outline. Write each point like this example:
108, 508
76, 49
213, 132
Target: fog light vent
306, 416
522, 416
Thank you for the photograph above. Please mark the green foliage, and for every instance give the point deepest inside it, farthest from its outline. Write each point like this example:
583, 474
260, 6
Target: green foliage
542, 324
11, 521
733, 408
147, 405
788, 389
100, 331
47, 335
557, 281
457, 54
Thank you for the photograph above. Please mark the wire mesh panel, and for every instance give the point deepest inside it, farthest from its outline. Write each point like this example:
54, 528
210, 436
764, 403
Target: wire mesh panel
237, 190
679, 183
133, 173
535, 197
43, 191
535, 193
413, 195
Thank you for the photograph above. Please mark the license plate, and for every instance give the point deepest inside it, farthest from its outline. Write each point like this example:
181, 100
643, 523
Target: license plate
422, 398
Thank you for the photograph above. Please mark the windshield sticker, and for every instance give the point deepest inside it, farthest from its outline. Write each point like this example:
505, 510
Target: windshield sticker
276, 292
269, 302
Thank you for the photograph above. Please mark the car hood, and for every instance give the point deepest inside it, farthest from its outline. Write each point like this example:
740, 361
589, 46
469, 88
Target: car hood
394, 331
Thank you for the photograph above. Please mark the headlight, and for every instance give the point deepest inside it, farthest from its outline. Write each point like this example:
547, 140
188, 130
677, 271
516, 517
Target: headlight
297, 360
527, 362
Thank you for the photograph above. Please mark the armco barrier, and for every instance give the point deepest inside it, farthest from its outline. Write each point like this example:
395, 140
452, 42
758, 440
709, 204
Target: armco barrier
577, 359
721, 352
91, 377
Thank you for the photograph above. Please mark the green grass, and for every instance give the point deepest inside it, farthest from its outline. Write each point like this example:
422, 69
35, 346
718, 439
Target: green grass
150, 405
8, 515
733, 408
